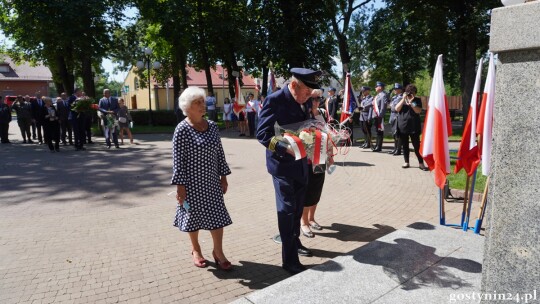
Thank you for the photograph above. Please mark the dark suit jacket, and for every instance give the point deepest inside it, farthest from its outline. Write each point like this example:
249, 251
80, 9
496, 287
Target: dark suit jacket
281, 107
63, 111
105, 105
37, 110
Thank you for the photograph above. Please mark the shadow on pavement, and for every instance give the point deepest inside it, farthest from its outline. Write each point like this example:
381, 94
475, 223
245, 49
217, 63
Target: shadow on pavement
349, 233
415, 265
253, 275
96, 176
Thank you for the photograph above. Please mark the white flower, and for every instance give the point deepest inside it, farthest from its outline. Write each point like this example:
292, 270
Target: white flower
306, 137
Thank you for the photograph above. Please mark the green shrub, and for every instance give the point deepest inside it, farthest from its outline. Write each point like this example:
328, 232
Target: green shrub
159, 117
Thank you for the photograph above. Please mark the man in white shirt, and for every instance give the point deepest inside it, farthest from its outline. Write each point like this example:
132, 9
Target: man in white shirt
252, 108
211, 106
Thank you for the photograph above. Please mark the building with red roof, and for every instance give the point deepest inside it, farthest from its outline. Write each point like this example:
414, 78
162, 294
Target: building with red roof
24, 78
162, 96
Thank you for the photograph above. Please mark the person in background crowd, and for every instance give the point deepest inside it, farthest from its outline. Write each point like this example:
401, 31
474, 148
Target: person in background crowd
32, 121
77, 121
381, 99
331, 105
23, 108
227, 112
88, 120
242, 122
398, 90
109, 105
62, 108
37, 116
290, 177
5, 119
366, 107
409, 124
315, 178
211, 106
251, 111
200, 174
124, 119
51, 127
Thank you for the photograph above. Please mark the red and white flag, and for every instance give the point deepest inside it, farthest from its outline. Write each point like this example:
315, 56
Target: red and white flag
485, 118
240, 103
468, 156
437, 128
349, 102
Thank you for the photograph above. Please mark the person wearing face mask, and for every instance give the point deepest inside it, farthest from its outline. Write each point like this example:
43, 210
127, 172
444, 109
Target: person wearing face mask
287, 106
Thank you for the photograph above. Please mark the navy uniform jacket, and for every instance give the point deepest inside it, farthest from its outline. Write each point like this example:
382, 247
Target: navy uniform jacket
367, 108
393, 114
108, 105
382, 100
282, 108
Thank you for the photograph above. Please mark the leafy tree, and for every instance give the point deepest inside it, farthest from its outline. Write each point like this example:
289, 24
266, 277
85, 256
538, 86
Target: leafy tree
70, 37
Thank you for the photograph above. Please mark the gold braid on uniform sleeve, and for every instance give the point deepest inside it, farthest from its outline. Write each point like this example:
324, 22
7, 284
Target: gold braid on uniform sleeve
273, 143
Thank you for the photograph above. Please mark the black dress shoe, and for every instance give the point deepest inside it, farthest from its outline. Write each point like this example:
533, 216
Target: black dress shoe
303, 251
397, 153
294, 269
377, 150
391, 152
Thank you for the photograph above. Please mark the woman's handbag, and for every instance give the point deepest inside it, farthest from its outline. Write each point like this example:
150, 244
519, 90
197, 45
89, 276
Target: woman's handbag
122, 119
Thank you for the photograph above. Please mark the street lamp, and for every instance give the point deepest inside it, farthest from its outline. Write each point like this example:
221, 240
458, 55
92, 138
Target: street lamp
156, 65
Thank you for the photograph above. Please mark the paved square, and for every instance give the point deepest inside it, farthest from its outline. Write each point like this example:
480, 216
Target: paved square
96, 226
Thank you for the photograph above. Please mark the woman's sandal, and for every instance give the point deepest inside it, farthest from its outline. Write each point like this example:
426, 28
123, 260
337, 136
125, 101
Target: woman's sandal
200, 262
315, 225
308, 233
423, 167
405, 166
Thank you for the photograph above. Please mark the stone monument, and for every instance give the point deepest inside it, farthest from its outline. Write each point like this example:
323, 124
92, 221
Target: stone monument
512, 249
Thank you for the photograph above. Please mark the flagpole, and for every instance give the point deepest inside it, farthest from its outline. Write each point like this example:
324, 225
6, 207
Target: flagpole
482, 212
442, 219
465, 199
469, 205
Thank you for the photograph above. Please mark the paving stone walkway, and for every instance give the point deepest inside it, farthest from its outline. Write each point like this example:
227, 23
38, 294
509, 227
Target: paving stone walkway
96, 226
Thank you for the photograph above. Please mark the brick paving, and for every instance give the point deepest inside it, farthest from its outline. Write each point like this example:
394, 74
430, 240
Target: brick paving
96, 226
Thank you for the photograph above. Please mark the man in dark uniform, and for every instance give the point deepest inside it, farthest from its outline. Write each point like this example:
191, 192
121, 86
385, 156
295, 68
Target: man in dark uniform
366, 107
63, 113
5, 118
380, 101
290, 176
398, 90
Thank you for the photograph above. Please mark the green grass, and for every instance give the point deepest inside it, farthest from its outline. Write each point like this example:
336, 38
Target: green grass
457, 181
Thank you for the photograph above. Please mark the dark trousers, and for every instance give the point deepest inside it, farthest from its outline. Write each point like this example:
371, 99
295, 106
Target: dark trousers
380, 134
39, 127
289, 204
415, 139
87, 128
78, 130
366, 129
51, 132
65, 127
251, 116
24, 125
33, 124
4, 128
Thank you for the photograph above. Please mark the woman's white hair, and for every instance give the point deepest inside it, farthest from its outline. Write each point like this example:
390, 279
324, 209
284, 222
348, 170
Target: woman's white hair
188, 96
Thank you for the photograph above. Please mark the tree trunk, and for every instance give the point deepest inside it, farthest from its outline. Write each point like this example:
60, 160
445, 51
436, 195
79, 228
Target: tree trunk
265, 80
467, 45
67, 79
88, 77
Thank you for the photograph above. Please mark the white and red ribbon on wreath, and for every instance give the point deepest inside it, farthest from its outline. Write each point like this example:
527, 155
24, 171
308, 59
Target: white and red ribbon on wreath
296, 145
320, 148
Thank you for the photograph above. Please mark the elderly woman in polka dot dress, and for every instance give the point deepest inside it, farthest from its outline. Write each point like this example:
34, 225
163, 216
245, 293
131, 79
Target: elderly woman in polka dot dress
200, 175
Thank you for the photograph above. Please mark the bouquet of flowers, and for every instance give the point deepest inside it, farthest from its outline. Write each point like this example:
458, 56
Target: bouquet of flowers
312, 139
111, 122
84, 104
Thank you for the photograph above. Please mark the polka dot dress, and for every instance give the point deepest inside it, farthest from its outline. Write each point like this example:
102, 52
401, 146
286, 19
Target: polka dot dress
198, 163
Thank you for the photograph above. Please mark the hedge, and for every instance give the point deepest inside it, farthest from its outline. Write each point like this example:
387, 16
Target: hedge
159, 117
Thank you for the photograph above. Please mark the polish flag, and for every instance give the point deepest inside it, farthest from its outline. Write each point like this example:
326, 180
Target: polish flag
437, 128
349, 102
240, 103
468, 156
485, 118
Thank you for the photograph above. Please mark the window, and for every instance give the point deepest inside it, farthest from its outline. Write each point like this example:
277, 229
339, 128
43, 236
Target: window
136, 83
4, 68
